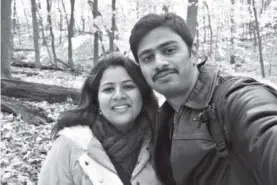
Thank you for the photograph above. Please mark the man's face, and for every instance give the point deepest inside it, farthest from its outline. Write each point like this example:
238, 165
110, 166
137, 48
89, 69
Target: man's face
165, 62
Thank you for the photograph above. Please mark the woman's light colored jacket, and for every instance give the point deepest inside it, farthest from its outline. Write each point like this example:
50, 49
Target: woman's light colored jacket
78, 158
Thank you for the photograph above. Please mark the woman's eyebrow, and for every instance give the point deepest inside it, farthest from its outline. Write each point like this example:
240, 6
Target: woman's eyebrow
107, 83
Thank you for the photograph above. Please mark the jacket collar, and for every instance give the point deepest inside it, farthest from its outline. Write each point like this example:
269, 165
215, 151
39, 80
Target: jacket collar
83, 137
202, 92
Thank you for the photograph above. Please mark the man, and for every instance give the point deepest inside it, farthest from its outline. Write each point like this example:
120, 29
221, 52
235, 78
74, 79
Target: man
187, 150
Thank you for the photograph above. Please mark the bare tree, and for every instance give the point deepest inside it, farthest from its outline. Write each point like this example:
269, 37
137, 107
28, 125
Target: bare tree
35, 33
96, 33
259, 38
67, 22
44, 42
232, 46
70, 34
13, 23
26, 17
6, 49
112, 32
61, 22
49, 3
83, 22
210, 28
192, 16
205, 30
165, 8
251, 25
137, 8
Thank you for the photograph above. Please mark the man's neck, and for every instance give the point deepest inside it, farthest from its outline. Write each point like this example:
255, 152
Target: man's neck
177, 100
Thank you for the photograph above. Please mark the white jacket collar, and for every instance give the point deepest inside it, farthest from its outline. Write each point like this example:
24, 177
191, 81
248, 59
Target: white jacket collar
83, 137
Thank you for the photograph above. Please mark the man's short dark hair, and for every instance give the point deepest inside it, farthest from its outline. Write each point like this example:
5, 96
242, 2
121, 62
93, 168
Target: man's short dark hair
152, 21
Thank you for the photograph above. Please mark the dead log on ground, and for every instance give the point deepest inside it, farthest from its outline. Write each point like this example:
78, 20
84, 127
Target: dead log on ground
38, 92
25, 73
23, 49
29, 113
17, 63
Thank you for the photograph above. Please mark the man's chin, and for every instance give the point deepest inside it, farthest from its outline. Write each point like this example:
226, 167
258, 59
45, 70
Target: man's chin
166, 90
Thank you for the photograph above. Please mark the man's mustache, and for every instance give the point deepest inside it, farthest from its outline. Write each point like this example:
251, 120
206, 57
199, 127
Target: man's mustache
163, 70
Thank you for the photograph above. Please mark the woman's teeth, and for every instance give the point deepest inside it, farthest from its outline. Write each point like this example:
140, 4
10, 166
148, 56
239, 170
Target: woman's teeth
120, 108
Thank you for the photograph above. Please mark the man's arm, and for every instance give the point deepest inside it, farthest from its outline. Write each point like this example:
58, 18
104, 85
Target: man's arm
252, 114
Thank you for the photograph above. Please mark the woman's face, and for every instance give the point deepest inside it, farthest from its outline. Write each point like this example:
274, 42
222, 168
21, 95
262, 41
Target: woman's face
119, 98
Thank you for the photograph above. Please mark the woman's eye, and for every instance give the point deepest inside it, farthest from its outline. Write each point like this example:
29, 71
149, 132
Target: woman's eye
129, 86
108, 89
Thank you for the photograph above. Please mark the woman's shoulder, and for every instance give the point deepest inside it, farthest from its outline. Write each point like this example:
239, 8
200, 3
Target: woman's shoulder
79, 135
72, 141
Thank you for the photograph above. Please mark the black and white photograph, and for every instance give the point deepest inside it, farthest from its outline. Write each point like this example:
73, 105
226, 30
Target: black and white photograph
138, 92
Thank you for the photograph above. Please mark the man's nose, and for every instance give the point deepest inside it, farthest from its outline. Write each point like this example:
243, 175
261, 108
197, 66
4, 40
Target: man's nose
119, 94
161, 61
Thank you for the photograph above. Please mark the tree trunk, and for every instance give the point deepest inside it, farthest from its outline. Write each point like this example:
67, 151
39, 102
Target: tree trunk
6, 50
83, 24
51, 30
255, 37
112, 33
251, 25
192, 16
38, 92
19, 30
197, 40
232, 46
26, 17
165, 8
44, 42
70, 34
259, 39
262, 8
205, 30
13, 23
35, 33
137, 9
210, 28
29, 113
96, 33
67, 22
60, 24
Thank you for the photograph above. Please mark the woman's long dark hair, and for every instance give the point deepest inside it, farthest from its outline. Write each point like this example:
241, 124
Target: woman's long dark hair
87, 109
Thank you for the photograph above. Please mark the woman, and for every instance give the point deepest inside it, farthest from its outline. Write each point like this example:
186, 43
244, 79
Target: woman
106, 139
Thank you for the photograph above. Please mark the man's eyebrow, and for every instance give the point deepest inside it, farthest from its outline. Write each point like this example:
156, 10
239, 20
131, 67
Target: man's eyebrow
160, 46
144, 52
129, 80
167, 43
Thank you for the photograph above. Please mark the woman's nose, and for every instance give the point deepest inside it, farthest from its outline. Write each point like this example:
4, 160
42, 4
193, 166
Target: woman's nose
119, 94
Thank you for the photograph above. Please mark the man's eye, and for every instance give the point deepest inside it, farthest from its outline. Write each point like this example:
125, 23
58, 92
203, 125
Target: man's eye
170, 50
147, 59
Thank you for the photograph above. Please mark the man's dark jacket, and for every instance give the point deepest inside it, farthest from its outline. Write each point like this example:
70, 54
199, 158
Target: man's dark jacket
185, 154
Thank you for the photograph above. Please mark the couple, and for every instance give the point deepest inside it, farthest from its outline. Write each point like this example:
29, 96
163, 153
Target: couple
118, 136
